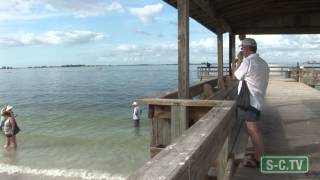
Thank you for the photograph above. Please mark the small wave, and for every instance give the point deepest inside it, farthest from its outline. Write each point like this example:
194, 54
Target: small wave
67, 173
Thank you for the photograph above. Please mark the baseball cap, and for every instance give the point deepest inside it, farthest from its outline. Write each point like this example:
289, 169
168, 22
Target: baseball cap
248, 42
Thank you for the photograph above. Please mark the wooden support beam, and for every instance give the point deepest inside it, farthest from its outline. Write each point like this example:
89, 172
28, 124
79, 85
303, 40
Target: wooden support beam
207, 6
222, 159
232, 51
160, 131
183, 49
277, 30
179, 120
220, 60
229, 171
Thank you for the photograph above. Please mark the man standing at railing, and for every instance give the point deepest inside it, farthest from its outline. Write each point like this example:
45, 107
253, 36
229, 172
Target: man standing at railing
254, 70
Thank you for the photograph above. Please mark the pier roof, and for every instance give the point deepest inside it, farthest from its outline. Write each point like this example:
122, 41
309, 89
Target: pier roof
256, 16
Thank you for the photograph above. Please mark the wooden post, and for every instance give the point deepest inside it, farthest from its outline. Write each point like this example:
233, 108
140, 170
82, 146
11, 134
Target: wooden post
160, 131
179, 120
301, 75
222, 159
220, 60
183, 49
229, 168
232, 51
298, 72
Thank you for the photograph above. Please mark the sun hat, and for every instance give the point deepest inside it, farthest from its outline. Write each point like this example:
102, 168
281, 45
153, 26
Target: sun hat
9, 107
134, 103
248, 42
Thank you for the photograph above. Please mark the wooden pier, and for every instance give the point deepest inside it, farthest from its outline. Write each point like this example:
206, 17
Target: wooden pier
170, 116
290, 124
195, 128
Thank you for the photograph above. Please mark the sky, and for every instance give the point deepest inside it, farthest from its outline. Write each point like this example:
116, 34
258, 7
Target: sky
119, 32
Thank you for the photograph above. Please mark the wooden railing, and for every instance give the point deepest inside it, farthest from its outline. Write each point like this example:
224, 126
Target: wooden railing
198, 89
207, 72
309, 76
190, 155
165, 117
188, 135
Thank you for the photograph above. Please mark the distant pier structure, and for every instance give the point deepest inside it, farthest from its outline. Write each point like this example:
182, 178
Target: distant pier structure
194, 130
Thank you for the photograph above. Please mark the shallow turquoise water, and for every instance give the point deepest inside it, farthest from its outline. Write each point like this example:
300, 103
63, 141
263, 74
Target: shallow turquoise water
76, 122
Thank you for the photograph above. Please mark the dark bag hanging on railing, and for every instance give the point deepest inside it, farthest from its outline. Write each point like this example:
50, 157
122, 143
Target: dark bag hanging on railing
243, 100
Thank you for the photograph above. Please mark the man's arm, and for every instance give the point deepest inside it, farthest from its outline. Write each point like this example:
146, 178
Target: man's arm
241, 70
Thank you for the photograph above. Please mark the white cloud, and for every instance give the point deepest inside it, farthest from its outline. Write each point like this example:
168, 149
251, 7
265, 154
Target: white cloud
148, 12
133, 53
286, 42
126, 47
287, 48
23, 6
84, 8
270, 41
147, 49
203, 43
273, 48
21, 9
50, 38
34, 9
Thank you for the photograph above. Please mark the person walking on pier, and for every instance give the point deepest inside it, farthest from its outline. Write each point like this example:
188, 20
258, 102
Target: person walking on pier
254, 70
136, 114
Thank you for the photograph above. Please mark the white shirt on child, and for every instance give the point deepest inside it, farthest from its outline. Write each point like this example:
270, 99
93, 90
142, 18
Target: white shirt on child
136, 113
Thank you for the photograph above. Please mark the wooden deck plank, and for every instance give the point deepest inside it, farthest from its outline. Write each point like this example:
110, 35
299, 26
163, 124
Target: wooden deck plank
290, 124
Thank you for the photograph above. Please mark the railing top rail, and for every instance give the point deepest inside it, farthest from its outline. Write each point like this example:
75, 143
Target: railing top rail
183, 102
310, 70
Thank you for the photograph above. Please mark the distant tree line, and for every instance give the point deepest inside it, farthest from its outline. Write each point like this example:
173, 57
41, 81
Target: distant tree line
6, 67
74, 65
68, 65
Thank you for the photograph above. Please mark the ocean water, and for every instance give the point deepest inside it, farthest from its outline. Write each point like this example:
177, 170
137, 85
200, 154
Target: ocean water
76, 122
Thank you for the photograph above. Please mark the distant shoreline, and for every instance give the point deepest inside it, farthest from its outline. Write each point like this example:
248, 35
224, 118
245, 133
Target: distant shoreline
117, 65
83, 65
